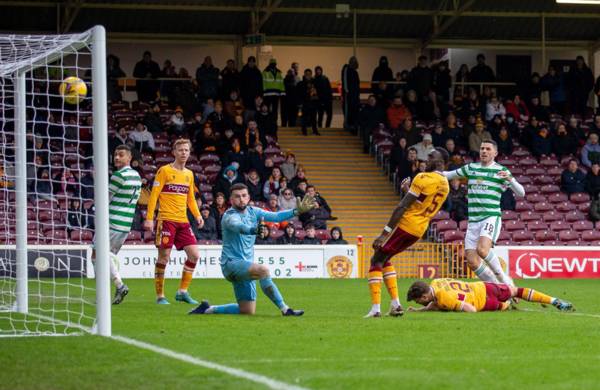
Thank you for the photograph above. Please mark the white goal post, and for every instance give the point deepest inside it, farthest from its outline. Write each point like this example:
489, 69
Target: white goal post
63, 300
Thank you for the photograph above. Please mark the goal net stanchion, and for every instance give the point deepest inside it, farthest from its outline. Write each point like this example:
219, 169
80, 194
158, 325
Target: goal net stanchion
46, 147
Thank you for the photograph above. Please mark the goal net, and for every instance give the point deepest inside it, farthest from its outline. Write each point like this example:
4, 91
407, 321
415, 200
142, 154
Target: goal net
53, 184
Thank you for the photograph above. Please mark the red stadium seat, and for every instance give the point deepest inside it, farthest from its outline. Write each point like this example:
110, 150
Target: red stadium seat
507, 161
535, 198
531, 188
568, 235
300, 234
322, 234
550, 189
549, 162
543, 206
574, 216
527, 161
440, 216
530, 216
448, 224
579, 197
560, 225
590, 235
544, 235
134, 235
584, 207
452, 235
536, 225
275, 234
543, 180
508, 215
503, 242
504, 236
558, 197
523, 205
524, 180
550, 216
535, 171
82, 235
516, 171
580, 226
514, 225
462, 226
556, 171
565, 206
521, 236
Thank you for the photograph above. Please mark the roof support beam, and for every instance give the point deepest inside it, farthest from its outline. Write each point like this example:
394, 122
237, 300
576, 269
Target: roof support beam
166, 6
447, 23
72, 8
271, 7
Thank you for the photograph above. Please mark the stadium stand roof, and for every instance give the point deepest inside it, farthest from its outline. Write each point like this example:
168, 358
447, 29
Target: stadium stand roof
405, 23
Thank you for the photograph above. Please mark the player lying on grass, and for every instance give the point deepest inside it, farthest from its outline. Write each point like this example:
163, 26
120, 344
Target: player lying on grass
240, 224
456, 295
408, 223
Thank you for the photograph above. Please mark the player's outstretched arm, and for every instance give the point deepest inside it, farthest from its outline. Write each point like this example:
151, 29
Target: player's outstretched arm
467, 307
431, 306
513, 184
233, 222
302, 206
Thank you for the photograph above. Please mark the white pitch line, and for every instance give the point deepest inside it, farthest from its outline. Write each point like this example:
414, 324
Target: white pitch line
263, 380
562, 313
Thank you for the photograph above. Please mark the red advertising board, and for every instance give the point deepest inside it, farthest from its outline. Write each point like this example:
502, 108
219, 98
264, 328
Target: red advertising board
554, 263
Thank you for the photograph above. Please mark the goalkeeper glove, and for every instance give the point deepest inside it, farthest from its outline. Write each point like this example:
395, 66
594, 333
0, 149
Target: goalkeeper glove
306, 204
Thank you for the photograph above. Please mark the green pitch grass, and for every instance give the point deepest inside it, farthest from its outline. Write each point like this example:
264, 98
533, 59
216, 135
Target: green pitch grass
332, 346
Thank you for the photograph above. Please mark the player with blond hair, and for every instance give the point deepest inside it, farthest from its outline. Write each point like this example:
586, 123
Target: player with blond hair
406, 226
456, 295
173, 189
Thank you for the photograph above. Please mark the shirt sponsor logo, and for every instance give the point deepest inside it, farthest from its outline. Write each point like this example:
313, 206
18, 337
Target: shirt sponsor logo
176, 188
553, 263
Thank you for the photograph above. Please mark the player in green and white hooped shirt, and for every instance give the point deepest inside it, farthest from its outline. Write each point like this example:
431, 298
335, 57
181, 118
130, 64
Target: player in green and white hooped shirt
124, 191
487, 180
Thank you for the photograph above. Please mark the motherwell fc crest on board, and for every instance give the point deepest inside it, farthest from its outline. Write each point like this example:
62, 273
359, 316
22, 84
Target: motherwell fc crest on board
339, 267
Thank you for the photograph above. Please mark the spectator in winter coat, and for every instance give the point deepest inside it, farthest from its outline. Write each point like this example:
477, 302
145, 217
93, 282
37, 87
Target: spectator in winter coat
254, 185
537, 110
421, 78
408, 167
563, 144
217, 209
369, 118
383, 72
457, 201
592, 181
251, 83
146, 69
580, 82
273, 87
477, 137
230, 79
273, 206
266, 122
289, 236
398, 154
410, 132
336, 237
75, 216
542, 143
113, 73
310, 237
142, 138
228, 178
207, 76
286, 199
424, 147
481, 72
209, 230
507, 200
572, 179
289, 167
289, 108
442, 82
325, 94
504, 141
271, 185
591, 151
152, 119
397, 113
351, 94
554, 83
300, 176
493, 108
517, 108
308, 102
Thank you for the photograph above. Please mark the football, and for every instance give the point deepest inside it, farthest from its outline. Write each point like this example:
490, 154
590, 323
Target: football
73, 90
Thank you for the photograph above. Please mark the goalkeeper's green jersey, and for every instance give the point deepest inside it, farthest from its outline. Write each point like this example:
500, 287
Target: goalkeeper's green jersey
124, 190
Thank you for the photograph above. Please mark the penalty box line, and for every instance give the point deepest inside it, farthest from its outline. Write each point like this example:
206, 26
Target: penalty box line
263, 380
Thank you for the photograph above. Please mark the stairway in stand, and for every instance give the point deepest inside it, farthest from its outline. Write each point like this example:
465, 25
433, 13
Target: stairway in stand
354, 186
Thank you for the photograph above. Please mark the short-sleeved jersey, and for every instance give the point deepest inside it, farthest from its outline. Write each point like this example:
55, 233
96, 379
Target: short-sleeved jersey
174, 190
451, 294
124, 190
484, 189
431, 190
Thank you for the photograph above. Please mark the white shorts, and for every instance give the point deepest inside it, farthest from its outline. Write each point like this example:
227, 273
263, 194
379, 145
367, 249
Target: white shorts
116, 240
489, 227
